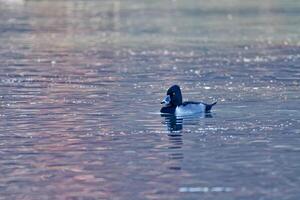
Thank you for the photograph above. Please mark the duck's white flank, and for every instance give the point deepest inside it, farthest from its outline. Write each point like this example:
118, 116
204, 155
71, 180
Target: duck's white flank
189, 109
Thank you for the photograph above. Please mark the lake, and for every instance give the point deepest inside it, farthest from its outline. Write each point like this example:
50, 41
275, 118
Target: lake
80, 90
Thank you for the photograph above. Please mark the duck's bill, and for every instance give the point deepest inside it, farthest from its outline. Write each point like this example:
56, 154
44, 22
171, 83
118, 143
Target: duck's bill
167, 100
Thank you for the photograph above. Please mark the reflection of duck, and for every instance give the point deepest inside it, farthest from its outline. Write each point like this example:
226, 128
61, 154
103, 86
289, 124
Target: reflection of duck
173, 104
175, 123
175, 150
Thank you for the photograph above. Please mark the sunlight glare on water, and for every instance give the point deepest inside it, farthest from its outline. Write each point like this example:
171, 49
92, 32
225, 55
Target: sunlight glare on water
80, 90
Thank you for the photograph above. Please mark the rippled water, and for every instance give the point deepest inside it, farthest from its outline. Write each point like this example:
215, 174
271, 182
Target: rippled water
81, 82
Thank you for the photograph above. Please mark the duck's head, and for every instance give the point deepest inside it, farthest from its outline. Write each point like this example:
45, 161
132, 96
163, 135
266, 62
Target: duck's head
174, 97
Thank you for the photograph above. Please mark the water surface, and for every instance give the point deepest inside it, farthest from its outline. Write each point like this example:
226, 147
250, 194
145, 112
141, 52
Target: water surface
81, 82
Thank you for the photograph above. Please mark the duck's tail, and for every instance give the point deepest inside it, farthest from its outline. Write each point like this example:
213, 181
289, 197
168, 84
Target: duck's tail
209, 106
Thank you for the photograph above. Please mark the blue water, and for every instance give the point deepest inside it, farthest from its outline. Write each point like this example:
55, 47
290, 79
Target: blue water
80, 90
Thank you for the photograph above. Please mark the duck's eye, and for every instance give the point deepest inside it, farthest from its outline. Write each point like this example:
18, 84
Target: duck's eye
173, 94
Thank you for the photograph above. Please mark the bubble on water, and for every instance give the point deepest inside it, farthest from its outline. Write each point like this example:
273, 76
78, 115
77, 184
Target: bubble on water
205, 189
53, 62
258, 59
197, 72
246, 60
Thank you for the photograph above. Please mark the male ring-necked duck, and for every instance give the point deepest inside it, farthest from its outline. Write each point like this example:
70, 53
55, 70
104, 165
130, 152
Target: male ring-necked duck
173, 104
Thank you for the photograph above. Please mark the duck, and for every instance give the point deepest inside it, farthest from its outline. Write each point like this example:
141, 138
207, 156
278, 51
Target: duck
172, 104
